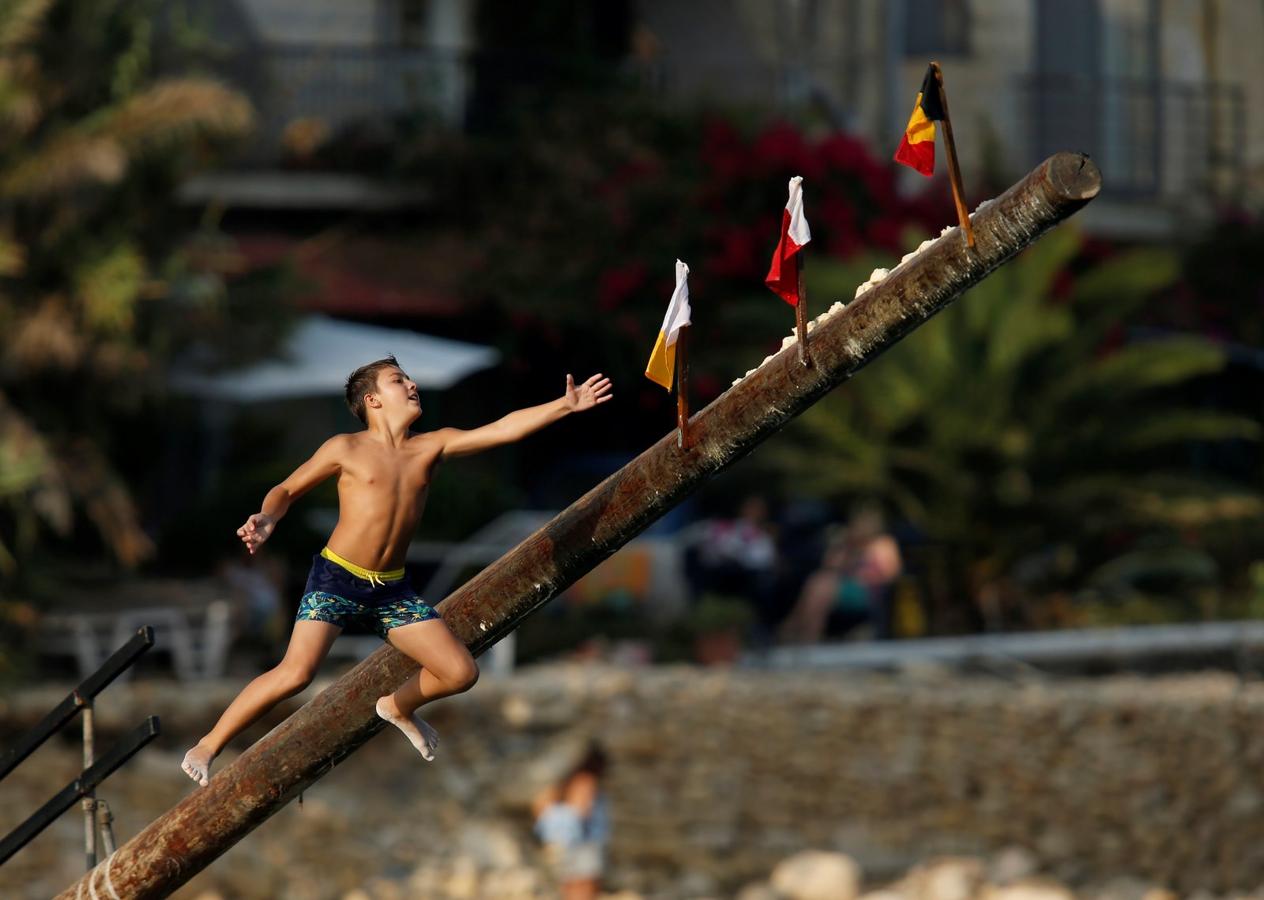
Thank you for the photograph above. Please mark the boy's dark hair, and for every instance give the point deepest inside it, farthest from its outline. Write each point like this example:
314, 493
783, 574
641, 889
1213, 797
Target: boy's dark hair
364, 381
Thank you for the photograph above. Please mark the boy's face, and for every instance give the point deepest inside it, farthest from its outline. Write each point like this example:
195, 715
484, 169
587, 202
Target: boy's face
398, 395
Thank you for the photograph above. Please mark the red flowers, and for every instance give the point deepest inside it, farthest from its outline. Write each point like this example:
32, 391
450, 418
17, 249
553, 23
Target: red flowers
851, 196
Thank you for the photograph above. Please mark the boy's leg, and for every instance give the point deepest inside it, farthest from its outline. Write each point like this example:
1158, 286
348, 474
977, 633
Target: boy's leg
447, 668
308, 645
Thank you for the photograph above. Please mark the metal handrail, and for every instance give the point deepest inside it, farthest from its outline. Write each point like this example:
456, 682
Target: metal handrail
94, 770
77, 699
81, 787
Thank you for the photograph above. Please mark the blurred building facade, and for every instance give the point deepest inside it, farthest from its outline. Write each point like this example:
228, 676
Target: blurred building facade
1161, 93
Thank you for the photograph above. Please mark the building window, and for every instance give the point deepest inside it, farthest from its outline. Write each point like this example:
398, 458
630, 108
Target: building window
937, 28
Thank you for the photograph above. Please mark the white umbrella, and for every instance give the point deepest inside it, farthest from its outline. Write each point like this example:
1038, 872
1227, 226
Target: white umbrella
321, 352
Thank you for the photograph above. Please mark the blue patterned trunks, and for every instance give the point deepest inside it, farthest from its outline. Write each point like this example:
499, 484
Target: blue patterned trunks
356, 599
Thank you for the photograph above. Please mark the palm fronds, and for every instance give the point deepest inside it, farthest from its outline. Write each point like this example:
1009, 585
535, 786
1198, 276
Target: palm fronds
1005, 426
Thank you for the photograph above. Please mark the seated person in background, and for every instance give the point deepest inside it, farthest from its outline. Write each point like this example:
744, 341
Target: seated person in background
735, 556
573, 823
853, 584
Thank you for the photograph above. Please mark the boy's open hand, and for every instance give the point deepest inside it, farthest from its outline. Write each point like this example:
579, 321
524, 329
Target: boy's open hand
593, 391
258, 528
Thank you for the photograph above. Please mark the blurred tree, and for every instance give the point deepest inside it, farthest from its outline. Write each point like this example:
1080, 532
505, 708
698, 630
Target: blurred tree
1014, 425
96, 286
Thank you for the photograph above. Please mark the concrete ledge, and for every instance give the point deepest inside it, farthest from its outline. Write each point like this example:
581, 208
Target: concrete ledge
301, 190
1034, 648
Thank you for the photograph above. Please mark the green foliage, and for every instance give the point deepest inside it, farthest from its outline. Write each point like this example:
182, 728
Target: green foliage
95, 282
107, 285
717, 612
1008, 424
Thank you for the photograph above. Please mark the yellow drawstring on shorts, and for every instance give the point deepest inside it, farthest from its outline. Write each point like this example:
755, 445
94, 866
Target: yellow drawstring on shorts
377, 579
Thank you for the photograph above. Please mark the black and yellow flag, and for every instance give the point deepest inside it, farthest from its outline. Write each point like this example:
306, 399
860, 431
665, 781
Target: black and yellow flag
917, 147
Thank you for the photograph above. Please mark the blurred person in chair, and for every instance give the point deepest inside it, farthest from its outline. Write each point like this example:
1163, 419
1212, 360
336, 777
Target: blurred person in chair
735, 557
853, 586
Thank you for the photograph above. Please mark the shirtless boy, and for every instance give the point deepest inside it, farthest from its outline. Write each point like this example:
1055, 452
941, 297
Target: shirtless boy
383, 476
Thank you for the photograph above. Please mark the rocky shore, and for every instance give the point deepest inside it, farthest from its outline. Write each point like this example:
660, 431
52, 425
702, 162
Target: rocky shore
726, 784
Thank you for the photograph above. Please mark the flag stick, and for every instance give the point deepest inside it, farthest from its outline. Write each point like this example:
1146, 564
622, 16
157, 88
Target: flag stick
801, 314
682, 388
954, 171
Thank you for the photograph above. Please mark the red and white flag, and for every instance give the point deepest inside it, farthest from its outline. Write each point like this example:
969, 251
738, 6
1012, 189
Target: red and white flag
783, 275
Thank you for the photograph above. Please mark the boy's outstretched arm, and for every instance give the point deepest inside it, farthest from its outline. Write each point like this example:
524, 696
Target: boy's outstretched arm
522, 422
324, 463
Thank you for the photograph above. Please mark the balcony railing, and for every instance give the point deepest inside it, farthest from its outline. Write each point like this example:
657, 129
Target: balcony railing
308, 92
1153, 139
305, 92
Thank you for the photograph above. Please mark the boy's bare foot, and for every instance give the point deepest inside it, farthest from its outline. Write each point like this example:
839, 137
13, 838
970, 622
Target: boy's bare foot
197, 764
417, 730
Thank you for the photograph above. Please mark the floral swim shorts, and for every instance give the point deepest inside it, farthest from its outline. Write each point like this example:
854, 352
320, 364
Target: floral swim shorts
356, 599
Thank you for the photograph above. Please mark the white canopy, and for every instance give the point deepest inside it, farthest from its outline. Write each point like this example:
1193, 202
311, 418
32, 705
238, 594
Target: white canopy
321, 352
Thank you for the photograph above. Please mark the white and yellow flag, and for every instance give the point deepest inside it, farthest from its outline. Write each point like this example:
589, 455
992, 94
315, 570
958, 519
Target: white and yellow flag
662, 364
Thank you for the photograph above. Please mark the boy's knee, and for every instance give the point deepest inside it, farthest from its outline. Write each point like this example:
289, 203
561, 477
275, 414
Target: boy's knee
294, 678
466, 676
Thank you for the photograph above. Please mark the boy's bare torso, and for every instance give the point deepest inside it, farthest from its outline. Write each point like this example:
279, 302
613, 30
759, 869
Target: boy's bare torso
383, 473
381, 496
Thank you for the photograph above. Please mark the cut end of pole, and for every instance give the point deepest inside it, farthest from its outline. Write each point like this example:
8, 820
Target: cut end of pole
1074, 176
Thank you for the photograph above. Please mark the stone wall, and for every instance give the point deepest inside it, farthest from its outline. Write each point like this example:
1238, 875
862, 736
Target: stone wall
727, 773
716, 776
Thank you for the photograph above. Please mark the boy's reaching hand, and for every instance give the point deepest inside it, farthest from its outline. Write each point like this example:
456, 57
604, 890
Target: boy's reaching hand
593, 391
258, 528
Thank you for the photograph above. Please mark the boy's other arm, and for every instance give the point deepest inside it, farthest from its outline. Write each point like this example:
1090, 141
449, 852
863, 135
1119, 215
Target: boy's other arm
324, 463
522, 422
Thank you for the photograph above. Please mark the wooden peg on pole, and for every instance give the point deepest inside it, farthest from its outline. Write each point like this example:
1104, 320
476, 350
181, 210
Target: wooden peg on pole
801, 314
954, 170
682, 388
